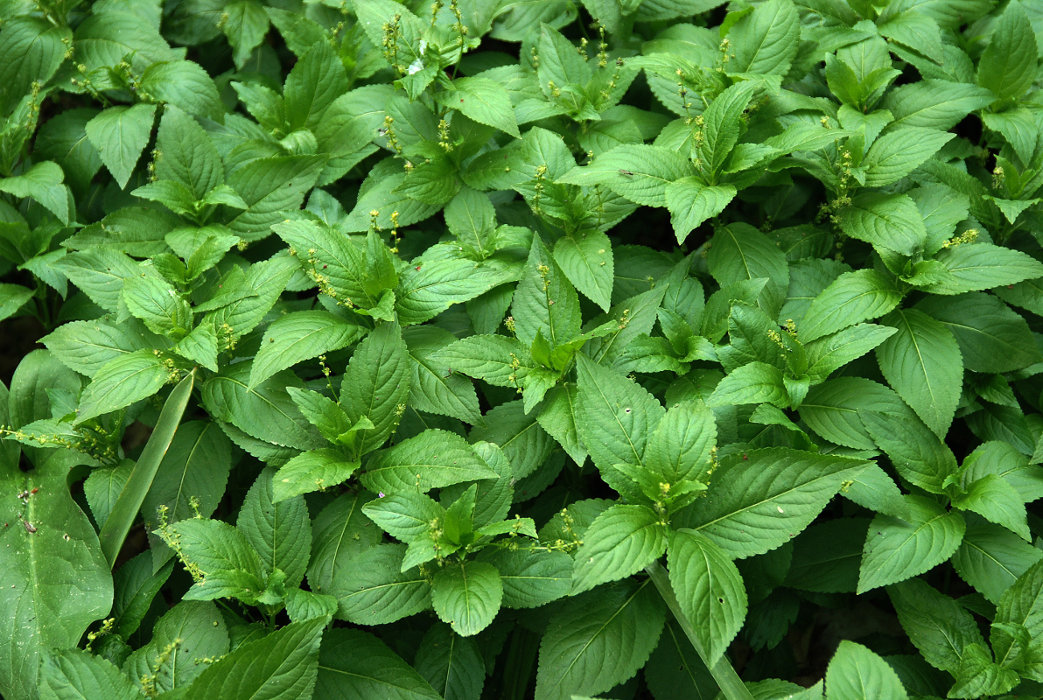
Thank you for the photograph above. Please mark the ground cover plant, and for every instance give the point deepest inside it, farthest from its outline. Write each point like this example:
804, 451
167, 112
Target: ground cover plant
484, 349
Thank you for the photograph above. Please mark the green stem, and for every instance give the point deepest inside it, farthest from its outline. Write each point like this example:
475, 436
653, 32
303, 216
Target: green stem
128, 504
723, 672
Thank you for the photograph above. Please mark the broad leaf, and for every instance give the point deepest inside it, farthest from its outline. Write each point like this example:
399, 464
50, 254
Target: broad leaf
758, 503
353, 663
281, 664
619, 543
120, 134
614, 415
376, 383
41, 611
280, 532
857, 673
432, 459
467, 596
709, 590
298, 336
599, 640
896, 549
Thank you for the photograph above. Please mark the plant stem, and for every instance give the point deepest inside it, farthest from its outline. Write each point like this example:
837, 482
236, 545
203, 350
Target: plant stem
723, 673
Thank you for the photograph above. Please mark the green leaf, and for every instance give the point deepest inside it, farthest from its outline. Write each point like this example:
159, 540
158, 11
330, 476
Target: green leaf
32, 49
491, 358
620, 542
264, 412
1004, 459
560, 63
835, 351
121, 382
314, 82
681, 446
372, 590
432, 459
992, 558
531, 578
186, 153
134, 492
298, 336
997, 501
42, 182
857, 673
918, 454
922, 361
936, 624
992, 337
270, 186
156, 302
120, 134
691, 203
250, 295
405, 516
851, 298
979, 676
314, 470
888, 221
1018, 127
12, 298
191, 479
723, 123
452, 664
832, 409
757, 504
756, 382
934, 104
136, 587
896, 549
557, 416
976, 266
340, 533
599, 640
39, 610
637, 172
740, 252
202, 633
709, 590
376, 383
471, 217
483, 100
88, 676
765, 40
900, 151
245, 28
545, 301
467, 596
519, 435
1008, 64
282, 664
304, 605
614, 415
280, 532
335, 261
1022, 605
426, 292
586, 259
353, 663
185, 84
221, 554
436, 388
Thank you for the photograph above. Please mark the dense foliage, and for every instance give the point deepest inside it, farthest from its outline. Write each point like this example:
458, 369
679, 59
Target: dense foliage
483, 349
